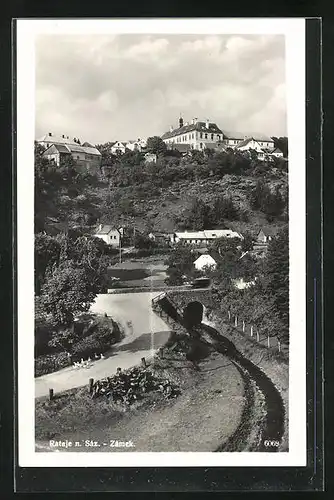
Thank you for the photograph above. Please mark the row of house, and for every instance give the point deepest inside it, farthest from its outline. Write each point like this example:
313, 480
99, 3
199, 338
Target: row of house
59, 148
86, 156
200, 135
120, 147
112, 236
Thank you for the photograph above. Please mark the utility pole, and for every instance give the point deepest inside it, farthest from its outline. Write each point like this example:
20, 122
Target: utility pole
120, 249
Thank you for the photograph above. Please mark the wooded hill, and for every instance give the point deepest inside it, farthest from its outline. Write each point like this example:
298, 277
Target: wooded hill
203, 190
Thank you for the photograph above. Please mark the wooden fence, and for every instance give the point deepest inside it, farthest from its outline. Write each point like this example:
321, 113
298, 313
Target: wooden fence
255, 333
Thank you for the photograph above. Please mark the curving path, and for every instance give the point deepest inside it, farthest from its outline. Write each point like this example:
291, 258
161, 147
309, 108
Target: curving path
274, 423
148, 333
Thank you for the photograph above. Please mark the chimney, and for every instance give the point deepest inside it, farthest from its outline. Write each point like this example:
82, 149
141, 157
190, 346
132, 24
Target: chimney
171, 128
181, 122
50, 134
207, 124
187, 123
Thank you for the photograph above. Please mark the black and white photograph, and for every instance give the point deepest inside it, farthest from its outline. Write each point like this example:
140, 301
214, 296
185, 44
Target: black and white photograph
161, 242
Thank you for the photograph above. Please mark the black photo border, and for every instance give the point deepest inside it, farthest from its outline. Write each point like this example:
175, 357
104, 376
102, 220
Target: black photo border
210, 479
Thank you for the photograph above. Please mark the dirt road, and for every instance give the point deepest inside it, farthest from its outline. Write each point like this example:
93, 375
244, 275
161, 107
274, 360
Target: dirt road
146, 333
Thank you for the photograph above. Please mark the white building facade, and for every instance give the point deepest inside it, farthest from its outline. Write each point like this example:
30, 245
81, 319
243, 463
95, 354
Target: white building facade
203, 237
198, 135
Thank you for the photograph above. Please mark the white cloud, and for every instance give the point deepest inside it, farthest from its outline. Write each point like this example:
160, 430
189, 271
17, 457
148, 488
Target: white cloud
106, 88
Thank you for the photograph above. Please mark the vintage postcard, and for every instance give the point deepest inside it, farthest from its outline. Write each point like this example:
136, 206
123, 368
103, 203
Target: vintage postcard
161, 242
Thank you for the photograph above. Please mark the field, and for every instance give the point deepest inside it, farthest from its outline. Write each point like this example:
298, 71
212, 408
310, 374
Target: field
147, 272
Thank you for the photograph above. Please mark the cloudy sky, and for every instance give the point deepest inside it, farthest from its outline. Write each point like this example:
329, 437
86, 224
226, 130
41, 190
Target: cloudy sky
102, 88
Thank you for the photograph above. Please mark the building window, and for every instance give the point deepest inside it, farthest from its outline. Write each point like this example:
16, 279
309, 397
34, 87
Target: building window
218, 136
206, 136
201, 145
201, 135
212, 137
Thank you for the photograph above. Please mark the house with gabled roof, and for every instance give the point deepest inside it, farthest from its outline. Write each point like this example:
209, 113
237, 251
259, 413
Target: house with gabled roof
205, 261
118, 147
251, 144
86, 157
265, 235
238, 139
111, 235
277, 153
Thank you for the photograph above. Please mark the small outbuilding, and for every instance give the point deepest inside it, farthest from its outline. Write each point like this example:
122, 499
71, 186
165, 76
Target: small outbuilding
205, 261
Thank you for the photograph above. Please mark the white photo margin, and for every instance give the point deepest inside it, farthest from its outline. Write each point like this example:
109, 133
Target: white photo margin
294, 31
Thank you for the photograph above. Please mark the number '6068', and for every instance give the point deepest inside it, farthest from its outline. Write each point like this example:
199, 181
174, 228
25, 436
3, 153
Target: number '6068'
271, 443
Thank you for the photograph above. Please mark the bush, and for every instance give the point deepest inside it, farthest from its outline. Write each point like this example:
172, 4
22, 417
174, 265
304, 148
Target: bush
88, 346
50, 363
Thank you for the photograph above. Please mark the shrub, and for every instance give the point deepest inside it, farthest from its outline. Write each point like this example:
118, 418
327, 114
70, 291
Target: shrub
50, 363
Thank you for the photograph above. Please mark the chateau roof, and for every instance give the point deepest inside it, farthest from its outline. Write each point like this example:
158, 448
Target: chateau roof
198, 126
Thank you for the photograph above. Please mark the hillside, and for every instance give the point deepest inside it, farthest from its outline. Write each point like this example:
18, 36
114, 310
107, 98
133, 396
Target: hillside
162, 196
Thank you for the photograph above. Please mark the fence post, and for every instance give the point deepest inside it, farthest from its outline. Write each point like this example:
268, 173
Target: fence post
243, 326
91, 383
251, 330
268, 341
51, 394
143, 361
229, 315
236, 321
161, 352
257, 335
279, 346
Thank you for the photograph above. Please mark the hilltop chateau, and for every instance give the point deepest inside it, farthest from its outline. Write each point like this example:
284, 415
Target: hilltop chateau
201, 135
198, 135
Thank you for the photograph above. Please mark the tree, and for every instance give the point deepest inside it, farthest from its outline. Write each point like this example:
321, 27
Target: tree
143, 242
270, 202
156, 145
67, 291
180, 262
223, 208
174, 276
276, 282
229, 252
47, 251
247, 242
107, 157
246, 267
200, 215
282, 144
